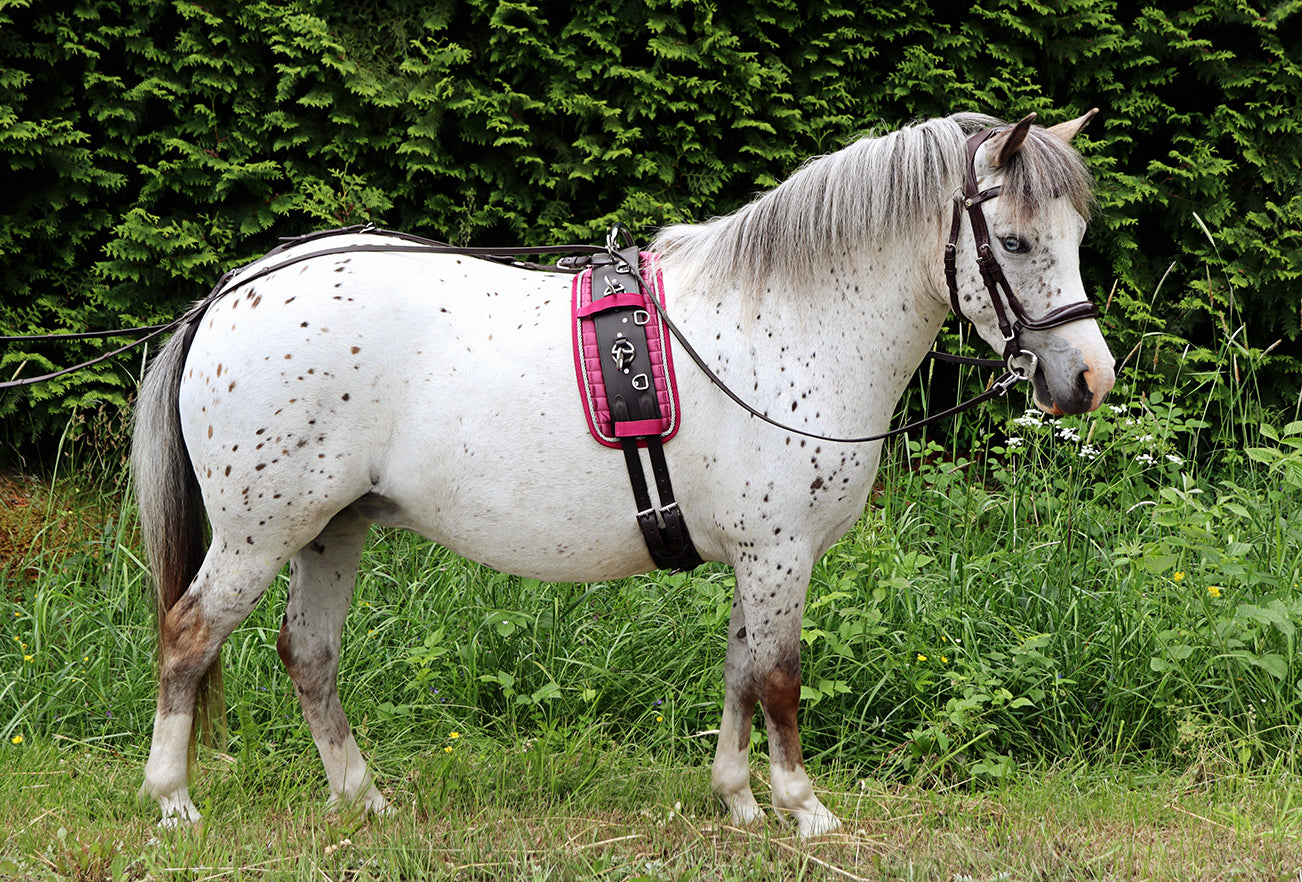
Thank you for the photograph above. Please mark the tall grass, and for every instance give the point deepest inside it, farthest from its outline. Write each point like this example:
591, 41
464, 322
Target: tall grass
1040, 591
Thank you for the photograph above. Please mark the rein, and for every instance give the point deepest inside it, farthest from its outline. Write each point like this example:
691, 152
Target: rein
418, 246
1019, 363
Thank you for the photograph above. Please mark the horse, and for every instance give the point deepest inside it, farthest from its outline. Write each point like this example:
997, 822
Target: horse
436, 393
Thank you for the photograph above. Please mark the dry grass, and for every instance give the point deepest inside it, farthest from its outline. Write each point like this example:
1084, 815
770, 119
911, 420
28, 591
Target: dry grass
73, 817
22, 519
39, 525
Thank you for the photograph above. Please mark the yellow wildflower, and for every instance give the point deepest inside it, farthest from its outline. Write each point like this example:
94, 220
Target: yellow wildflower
448, 749
1214, 590
17, 739
660, 719
921, 657
454, 735
28, 658
1179, 576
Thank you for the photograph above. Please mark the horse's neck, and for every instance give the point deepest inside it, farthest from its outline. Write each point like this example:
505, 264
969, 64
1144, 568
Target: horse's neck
832, 357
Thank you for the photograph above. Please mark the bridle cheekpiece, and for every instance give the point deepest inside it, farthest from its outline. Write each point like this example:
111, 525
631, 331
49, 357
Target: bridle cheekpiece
1021, 362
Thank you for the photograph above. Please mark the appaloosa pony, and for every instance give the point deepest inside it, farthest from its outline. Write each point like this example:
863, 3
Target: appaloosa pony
436, 392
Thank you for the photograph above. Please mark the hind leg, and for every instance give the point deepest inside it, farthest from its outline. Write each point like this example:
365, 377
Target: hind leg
321, 586
222, 595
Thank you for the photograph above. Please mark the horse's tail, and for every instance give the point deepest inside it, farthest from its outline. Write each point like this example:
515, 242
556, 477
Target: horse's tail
172, 519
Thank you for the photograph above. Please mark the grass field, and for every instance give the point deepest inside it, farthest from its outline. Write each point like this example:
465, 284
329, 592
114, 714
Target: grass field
1049, 650
592, 809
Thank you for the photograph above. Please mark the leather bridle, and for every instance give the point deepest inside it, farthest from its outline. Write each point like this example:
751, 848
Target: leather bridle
1020, 361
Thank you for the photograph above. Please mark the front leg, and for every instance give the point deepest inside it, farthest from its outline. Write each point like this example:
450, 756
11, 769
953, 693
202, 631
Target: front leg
730, 777
773, 596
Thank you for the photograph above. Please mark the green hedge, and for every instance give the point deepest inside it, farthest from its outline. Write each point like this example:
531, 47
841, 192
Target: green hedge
146, 146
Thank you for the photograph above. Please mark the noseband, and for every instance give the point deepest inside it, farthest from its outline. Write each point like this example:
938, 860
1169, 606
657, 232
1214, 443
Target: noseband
1020, 361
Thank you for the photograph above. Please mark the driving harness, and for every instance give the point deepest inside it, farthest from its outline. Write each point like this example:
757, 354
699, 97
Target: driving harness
626, 302
630, 352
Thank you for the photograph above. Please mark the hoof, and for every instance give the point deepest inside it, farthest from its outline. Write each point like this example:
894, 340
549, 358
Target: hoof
742, 808
744, 816
815, 823
178, 814
372, 803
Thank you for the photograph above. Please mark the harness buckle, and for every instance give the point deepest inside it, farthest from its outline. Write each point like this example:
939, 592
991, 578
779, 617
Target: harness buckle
617, 232
622, 352
1006, 382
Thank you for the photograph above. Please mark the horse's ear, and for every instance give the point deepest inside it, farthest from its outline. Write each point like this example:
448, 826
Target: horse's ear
1010, 142
1068, 130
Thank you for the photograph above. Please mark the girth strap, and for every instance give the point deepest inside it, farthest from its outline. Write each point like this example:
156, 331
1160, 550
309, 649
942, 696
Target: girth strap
663, 528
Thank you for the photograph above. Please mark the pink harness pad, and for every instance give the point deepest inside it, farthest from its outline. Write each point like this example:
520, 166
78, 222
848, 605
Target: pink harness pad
587, 359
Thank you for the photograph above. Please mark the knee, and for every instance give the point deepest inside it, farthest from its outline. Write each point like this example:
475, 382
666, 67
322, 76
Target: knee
779, 687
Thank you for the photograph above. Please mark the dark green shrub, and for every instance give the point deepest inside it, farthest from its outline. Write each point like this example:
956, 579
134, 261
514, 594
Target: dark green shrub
147, 146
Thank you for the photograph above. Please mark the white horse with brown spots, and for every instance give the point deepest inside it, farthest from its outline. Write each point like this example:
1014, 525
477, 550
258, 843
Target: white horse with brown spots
436, 393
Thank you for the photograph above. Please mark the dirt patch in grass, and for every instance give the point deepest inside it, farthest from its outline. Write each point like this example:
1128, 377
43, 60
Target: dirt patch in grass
22, 520
41, 525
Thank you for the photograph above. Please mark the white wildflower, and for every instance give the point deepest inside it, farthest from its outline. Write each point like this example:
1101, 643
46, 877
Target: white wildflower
1068, 433
1088, 451
1145, 458
1030, 419
1014, 443
1175, 459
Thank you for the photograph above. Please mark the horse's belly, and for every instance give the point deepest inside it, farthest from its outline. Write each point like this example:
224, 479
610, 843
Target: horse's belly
450, 409
517, 485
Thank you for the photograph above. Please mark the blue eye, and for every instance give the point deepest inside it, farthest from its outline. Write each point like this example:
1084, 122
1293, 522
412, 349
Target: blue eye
1013, 245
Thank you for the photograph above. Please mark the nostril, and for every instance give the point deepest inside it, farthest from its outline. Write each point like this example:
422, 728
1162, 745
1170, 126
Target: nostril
1092, 389
1083, 385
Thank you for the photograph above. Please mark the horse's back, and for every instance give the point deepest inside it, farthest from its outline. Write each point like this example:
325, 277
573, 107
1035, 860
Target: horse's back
432, 392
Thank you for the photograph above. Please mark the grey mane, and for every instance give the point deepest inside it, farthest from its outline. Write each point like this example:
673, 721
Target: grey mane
876, 190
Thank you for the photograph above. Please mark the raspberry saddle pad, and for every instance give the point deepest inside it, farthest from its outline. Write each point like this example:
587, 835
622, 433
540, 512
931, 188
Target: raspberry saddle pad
590, 360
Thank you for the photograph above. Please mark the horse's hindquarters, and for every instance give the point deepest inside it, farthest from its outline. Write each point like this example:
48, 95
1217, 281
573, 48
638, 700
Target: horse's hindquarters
434, 393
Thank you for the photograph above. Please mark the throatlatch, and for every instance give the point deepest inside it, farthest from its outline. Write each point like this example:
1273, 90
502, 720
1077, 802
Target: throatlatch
622, 314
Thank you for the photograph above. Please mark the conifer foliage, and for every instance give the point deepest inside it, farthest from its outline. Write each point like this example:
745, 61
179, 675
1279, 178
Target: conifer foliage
147, 146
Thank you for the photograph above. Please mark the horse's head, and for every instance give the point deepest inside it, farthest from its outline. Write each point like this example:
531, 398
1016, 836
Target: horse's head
1027, 199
